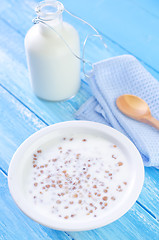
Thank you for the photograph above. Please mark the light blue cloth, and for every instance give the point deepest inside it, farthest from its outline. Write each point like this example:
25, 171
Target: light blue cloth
112, 78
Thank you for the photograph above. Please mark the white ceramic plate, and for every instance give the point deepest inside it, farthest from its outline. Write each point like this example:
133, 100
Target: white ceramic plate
18, 170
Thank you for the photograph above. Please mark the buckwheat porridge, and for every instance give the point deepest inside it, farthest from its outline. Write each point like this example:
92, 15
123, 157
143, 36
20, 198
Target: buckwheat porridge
77, 176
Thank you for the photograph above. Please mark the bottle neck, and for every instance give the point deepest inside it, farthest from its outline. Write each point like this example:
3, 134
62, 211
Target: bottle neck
50, 12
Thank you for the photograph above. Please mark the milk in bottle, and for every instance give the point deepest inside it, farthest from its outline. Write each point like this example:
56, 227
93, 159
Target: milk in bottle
54, 70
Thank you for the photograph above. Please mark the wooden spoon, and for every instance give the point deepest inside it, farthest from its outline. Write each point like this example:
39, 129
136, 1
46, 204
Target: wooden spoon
136, 108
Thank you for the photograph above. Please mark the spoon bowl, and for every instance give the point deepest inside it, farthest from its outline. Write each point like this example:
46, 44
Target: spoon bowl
136, 108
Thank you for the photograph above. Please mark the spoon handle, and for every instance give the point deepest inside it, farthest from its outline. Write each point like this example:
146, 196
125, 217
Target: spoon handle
151, 121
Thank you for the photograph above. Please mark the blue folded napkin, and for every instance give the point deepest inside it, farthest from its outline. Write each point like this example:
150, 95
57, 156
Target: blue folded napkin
124, 75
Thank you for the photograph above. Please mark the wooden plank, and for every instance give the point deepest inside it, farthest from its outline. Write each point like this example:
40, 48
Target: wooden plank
149, 197
17, 123
148, 6
125, 23
14, 225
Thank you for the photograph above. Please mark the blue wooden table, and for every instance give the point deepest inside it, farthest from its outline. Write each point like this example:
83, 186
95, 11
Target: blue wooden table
128, 26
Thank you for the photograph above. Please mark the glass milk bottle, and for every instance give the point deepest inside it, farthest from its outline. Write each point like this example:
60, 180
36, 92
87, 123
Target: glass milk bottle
54, 69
